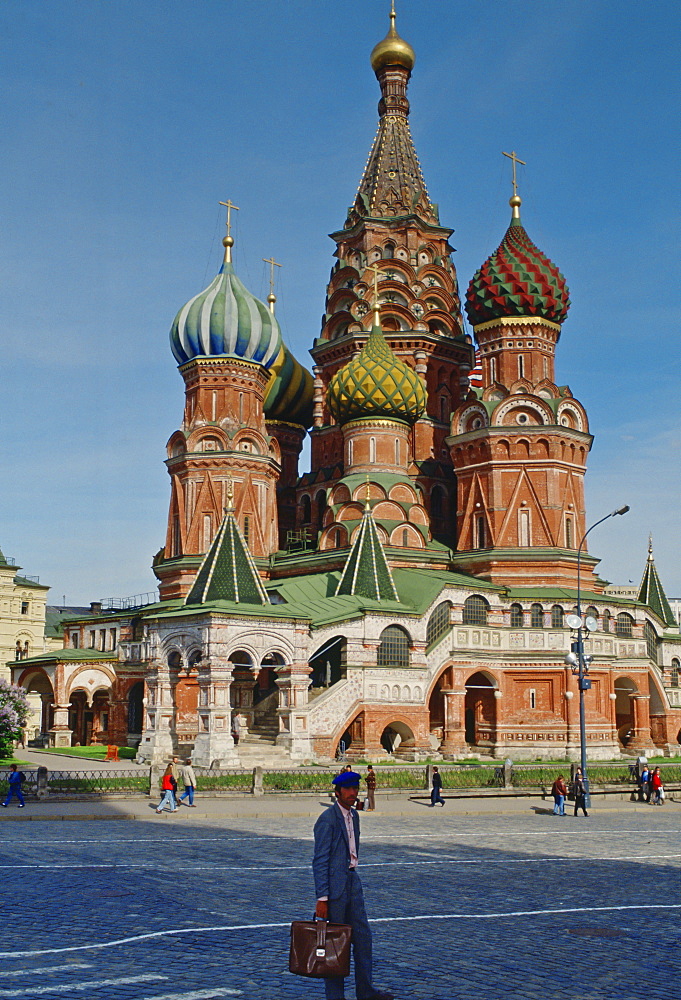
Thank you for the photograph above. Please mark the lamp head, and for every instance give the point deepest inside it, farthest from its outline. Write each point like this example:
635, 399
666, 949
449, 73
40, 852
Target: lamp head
622, 510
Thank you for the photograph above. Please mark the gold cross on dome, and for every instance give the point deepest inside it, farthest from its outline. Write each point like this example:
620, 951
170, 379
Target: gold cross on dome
229, 206
512, 156
377, 306
273, 263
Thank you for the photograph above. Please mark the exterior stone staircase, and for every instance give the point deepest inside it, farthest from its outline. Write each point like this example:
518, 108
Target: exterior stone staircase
259, 749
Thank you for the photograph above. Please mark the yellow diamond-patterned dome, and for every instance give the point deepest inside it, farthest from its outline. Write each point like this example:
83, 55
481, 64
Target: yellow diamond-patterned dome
376, 384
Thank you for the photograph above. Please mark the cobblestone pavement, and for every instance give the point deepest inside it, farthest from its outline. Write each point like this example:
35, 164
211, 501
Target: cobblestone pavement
520, 905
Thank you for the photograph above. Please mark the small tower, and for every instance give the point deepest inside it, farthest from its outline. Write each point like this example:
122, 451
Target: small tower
519, 445
230, 353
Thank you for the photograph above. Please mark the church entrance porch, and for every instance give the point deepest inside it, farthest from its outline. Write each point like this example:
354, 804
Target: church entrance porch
379, 731
480, 713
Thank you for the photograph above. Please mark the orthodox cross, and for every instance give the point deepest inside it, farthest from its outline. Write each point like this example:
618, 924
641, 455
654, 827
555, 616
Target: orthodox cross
229, 206
272, 262
515, 160
377, 307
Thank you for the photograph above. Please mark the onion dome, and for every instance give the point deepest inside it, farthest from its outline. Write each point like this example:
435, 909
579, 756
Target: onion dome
393, 50
225, 319
289, 392
517, 280
376, 384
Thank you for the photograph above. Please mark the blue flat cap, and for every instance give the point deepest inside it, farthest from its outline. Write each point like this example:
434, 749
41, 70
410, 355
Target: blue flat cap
347, 779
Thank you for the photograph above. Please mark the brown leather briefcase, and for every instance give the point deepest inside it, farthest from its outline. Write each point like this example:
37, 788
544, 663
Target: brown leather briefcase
319, 949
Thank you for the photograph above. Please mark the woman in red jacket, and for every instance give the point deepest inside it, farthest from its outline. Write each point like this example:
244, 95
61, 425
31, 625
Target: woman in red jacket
657, 787
167, 782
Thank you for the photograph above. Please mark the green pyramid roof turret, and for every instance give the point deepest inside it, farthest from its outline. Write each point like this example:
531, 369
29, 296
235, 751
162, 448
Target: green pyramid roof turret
366, 572
651, 592
228, 572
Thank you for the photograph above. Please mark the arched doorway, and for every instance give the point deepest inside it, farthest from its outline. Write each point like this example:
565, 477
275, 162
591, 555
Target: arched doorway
244, 674
328, 663
41, 699
480, 711
625, 688
397, 738
135, 713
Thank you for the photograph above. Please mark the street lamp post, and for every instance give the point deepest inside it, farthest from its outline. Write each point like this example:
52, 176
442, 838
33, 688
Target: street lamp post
583, 661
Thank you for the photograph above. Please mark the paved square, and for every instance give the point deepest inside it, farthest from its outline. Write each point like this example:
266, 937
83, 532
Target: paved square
481, 907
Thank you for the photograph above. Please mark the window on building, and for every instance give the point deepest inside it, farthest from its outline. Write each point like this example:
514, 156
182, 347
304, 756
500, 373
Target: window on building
592, 612
674, 673
93, 637
372, 450
439, 622
493, 369
521, 366
102, 639
397, 451
517, 616
104, 721
475, 610
394, 648
24, 607
74, 640
480, 531
207, 532
533, 698
350, 451
320, 501
524, 528
624, 625
557, 617
537, 616
306, 507
650, 636
568, 533
605, 625
112, 638
247, 529
177, 538
405, 538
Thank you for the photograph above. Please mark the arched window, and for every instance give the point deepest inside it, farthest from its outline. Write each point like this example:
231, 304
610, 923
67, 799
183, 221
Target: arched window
397, 451
537, 616
306, 506
568, 533
207, 531
606, 621
475, 610
320, 501
674, 673
438, 622
480, 531
517, 616
592, 612
394, 648
557, 617
650, 636
521, 366
372, 450
624, 625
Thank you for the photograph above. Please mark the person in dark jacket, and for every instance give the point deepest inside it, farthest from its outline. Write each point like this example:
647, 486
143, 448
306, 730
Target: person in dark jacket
340, 898
579, 789
435, 795
15, 779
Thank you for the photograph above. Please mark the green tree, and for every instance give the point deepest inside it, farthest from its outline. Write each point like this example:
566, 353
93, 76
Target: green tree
14, 713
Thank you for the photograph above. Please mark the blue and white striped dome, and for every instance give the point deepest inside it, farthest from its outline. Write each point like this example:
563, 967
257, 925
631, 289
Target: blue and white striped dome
225, 319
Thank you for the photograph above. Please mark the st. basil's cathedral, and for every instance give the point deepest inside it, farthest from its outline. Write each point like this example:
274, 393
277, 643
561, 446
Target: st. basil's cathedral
410, 593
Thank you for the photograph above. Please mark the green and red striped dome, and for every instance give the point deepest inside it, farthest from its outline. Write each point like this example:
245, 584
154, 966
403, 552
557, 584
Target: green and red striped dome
517, 280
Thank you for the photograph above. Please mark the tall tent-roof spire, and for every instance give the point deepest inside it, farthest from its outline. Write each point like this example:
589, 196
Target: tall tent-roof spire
228, 572
366, 573
651, 592
392, 184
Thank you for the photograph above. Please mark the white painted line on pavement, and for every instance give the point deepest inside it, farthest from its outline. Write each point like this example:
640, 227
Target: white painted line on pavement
378, 864
48, 968
221, 991
34, 991
287, 923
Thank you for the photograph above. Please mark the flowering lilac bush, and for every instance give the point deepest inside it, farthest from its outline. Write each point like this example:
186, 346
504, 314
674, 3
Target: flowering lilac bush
14, 713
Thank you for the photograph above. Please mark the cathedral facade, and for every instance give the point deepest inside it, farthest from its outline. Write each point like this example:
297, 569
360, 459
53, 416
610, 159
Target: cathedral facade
410, 593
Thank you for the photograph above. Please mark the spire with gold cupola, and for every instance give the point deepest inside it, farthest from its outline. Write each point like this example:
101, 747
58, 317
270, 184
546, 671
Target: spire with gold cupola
394, 226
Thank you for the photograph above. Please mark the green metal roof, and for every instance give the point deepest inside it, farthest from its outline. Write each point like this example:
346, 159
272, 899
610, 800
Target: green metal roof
228, 572
366, 572
64, 656
651, 592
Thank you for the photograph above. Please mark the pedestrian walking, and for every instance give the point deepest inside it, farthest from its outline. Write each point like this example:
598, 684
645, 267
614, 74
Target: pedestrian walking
435, 795
340, 898
177, 777
15, 779
657, 788
189, 780
559, 792
644, 782
236, 728
579, 791
167, 795
370, 779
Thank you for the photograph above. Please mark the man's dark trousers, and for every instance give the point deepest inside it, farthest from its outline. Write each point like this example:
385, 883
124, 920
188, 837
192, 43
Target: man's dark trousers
349, 909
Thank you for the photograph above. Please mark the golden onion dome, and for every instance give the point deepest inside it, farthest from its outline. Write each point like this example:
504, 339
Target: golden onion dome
393, 50
376, 384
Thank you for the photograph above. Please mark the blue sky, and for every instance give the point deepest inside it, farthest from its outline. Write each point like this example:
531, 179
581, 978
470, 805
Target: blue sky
124, 124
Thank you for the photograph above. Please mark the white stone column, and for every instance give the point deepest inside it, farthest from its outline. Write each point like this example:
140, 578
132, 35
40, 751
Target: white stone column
214, 745
158, 737
60, 734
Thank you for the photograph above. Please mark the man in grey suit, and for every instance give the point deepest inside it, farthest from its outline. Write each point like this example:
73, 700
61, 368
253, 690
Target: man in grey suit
339, 891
